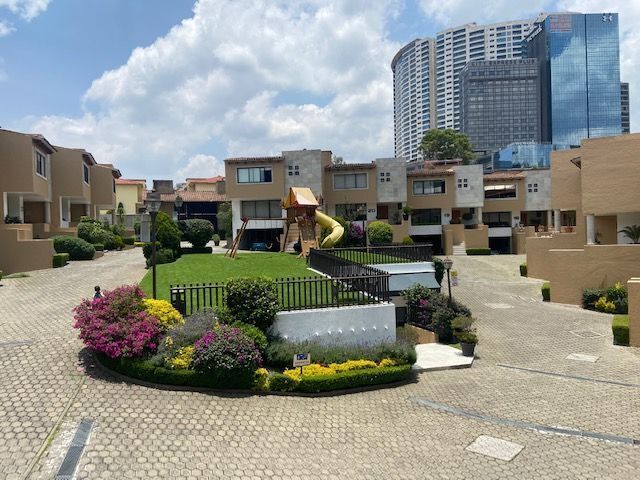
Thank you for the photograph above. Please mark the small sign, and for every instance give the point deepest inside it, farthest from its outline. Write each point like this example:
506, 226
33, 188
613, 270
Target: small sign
301, 359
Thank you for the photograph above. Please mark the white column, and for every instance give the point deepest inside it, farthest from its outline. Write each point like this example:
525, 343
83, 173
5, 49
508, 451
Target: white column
47, 212
591, 229
479, 215
549, 220
557, 220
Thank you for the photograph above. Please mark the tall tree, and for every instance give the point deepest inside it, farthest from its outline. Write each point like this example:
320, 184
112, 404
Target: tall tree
446, 144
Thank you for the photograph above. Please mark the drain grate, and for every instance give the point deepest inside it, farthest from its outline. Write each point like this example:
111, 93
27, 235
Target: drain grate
71, 459
15, 343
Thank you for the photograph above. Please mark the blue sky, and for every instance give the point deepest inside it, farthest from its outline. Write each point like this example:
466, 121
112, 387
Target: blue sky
137, 86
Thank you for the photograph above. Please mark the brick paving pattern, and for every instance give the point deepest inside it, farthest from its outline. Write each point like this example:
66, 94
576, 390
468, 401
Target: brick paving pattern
49, 385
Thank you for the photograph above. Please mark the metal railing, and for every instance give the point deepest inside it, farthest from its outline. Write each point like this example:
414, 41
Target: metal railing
300, 293
372, 255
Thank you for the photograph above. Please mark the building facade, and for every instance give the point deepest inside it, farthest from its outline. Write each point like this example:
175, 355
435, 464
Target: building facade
414, 101
499, 103
624, 107
579, 62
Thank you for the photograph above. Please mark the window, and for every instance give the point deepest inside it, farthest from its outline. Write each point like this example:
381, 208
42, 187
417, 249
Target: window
426, 216
532, 188
41, 164
492, 192
293, 170
463, 183
429, 187
497, 219
345, 181
352, 211
254, 175
114, 185
85, 173
261, 209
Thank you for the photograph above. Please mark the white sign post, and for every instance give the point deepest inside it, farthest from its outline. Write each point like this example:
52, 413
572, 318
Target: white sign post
300, 360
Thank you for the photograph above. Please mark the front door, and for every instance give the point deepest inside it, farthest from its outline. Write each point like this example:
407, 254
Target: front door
383, 212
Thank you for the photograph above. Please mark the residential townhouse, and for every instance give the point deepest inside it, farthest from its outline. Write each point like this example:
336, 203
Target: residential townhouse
455, 206
131, 193
211, 184
594, 195
44, 191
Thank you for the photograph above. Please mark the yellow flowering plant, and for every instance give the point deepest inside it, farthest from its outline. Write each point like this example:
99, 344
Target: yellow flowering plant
168, 317
182, 360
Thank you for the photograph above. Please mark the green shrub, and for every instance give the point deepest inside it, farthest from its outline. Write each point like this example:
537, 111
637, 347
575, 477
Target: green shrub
139, 244
523, 269
605, 306
98, 246
168, 233
281, 383
118, 230
191, 250
439, 268
184, 335
59, 260
407, 241
379, 233
147, 249
590, 296
279, 353
136, 228
431, 310
198, 232
254, 333
129, 240
253, 301
91, 230
353, 379
620, 327
216, 239
77, 248
113, 242
467, 337
478, 251
546, 292
164, 255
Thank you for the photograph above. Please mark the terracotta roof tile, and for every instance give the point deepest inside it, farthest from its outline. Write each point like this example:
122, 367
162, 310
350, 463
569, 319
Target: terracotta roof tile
205, 180
130, 181
193, 196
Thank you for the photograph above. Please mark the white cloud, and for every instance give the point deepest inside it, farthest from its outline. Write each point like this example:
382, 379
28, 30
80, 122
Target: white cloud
450, 13
27, 9
6, 28
200, 166
220, 77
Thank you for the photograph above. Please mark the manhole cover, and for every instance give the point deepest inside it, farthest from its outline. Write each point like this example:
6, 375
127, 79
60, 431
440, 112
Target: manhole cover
495, 448
587, 334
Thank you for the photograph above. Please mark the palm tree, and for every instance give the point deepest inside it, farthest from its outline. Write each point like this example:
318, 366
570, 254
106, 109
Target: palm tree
632, 232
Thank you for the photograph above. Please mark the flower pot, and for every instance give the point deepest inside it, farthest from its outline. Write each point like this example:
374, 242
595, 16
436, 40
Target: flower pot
468, 349
405, 216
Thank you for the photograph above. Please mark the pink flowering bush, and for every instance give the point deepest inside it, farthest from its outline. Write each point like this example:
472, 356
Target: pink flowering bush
226, 351
117, 324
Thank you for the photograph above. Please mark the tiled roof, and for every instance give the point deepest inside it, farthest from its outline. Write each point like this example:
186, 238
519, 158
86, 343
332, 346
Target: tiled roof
205, 180
431, 172
351, 166
130, 181
254, 159
504, 176
193, 196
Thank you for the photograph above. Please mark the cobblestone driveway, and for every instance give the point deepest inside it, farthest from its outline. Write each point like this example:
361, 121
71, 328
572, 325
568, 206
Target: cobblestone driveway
416, 431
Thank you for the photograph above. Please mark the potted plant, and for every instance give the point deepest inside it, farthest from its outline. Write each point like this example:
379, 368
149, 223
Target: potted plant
406, 211
465, 333
454, 278
216, 239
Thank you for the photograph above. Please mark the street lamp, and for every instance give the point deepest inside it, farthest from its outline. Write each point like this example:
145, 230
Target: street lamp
153, 207
448, 263
178, 203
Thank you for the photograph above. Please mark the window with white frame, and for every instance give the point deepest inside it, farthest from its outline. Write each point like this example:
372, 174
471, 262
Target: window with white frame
429, 187
261, 209
348, 181
385, 177
532, 188
41, 164
463, 183
85, 173
293, 170
492, 192
254, 175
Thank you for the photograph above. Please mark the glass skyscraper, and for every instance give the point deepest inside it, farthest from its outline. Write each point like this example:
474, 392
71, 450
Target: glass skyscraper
579, 61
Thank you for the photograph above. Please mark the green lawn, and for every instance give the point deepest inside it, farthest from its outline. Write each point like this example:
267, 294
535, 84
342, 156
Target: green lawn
206, 268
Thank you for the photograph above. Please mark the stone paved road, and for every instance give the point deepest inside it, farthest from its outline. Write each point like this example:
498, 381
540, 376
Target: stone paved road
47, 386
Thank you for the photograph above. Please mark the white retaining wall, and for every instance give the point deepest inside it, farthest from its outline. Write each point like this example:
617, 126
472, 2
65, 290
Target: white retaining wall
358, 324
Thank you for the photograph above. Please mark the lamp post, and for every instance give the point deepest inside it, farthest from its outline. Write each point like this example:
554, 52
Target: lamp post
178, 204
153, 206
448, 263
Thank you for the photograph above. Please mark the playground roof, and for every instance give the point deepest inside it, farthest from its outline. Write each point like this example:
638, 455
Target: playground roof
300, 197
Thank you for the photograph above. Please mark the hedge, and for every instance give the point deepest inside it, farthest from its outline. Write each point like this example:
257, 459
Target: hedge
620, 327
353, 379
478, 251
129, 240
60, 260
189, 250
139, 244
77, 248
99, 247
546, 292
523, 269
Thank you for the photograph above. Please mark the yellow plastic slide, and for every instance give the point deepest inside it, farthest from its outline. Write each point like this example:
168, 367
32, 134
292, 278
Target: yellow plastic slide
337, 230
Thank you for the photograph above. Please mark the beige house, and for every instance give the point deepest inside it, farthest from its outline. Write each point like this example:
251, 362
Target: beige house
594, 195
131, 193
212, 184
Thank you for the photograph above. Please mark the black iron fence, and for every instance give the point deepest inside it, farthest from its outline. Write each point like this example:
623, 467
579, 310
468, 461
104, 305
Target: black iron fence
373, 255
293, 293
